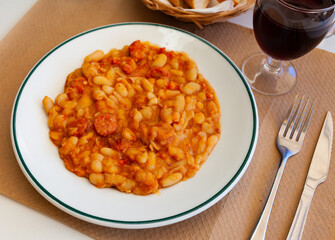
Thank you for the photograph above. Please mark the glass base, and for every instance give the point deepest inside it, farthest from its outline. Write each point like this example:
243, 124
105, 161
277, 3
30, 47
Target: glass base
266, 79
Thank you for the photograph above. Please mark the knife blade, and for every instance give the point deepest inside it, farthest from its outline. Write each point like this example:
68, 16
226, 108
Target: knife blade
317, 174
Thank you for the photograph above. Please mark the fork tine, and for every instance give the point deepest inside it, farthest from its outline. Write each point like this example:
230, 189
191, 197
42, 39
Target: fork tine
295, 116
296, 132
301, 136
284, 127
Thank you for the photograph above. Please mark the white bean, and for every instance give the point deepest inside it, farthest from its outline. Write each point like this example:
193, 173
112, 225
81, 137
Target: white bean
109, 152
160, 61
171, 179
191, 74
147, 85
121, 89
100, 80
107, 89
47, 104
95, 56
191, 88
179, 103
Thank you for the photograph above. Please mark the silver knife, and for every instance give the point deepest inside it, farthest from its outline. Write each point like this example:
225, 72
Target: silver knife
317, 174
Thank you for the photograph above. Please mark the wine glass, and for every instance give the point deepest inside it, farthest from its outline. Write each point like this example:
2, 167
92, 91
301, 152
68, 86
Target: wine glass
331, 32
285, 30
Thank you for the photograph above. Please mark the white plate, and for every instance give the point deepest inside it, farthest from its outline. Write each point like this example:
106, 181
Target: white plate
41, 164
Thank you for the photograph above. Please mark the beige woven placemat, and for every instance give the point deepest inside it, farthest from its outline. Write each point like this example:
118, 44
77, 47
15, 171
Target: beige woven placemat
51, 22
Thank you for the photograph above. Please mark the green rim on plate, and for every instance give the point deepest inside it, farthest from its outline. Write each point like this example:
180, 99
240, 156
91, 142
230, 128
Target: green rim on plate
76, 211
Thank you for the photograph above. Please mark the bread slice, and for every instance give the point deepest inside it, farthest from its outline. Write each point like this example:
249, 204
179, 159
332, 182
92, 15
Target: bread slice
235, 2
177, 3
196, 4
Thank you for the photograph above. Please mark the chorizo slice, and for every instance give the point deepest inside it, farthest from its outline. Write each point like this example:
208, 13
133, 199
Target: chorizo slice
105, 124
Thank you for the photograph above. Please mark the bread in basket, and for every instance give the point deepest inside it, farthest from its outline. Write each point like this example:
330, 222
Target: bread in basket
200, 16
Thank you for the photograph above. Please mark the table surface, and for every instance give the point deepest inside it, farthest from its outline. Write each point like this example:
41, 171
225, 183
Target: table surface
34, 225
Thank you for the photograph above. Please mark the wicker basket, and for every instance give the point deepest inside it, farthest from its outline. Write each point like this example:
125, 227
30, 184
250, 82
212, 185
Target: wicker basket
198, 18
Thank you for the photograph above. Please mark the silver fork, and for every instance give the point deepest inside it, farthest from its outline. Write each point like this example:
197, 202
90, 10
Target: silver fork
290, 138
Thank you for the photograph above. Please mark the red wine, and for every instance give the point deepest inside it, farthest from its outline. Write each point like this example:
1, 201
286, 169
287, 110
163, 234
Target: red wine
310, 4
284, 33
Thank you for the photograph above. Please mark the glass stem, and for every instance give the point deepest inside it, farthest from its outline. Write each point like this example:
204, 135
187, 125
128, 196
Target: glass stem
273, 66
